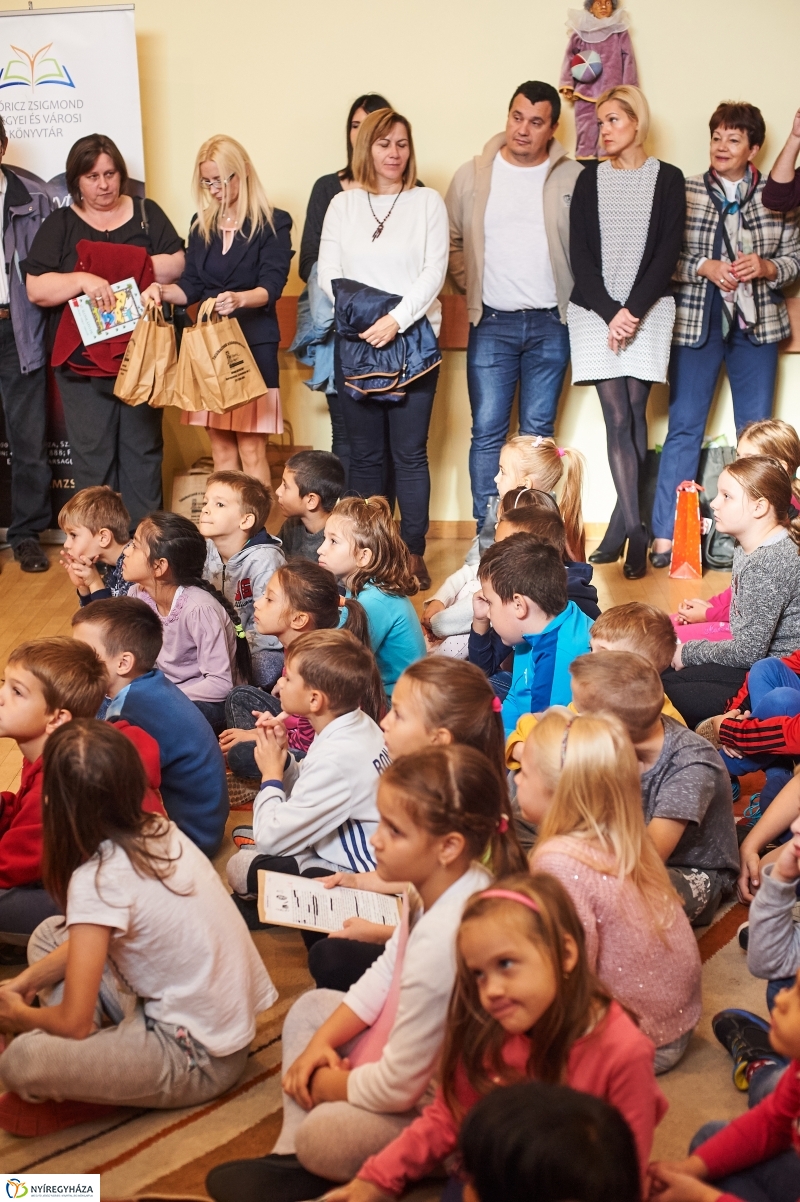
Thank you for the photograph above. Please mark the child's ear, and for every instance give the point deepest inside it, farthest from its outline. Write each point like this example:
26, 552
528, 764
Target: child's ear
451, 848
570, 954
312, 501
300, 620
126, 663
317, 701
247, 522
105, 537
363, 556
442, 737
160, 568
56, 719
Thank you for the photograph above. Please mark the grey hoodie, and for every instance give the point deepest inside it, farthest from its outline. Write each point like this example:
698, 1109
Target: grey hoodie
244, 578
773, 946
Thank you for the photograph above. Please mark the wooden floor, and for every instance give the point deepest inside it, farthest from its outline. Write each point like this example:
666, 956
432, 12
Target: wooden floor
32, 606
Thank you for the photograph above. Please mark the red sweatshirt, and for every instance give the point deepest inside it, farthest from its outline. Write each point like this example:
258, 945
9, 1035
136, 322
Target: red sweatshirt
21, 813
613, 1062
752, 736
769, 1128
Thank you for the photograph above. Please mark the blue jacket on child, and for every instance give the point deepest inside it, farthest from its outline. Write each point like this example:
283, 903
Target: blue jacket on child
541, 665
193, 785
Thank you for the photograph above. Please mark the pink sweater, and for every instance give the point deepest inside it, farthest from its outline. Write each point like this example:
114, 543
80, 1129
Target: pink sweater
613, 1062
719, 607
659, 982
199, 644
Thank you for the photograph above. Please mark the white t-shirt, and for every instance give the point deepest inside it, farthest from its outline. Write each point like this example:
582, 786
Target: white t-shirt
517, 272
409, 258
182, 947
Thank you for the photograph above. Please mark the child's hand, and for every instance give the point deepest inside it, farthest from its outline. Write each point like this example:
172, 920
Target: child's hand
693, 611
749, 873
356, 1190
480, 613
677, 660
295, 1083
270, 751
787, 865
680, 1181
431, 609
363, 931
229, 738
348, 880
266, 720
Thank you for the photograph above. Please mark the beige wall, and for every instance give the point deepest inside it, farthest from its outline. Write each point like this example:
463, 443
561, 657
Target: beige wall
280, 77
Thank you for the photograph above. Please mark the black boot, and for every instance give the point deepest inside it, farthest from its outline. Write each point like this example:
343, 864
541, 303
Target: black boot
612, 543
267, 1179
635, 565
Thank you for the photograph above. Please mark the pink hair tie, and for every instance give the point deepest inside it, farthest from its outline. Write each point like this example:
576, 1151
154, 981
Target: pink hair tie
497, 705
502, 825
512, 895
560, 452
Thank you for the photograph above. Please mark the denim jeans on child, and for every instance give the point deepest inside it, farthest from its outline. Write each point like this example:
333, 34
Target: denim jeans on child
774, 1180
774, 693
529, 348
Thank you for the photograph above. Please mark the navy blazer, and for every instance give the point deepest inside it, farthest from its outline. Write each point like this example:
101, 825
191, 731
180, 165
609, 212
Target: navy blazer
261, 262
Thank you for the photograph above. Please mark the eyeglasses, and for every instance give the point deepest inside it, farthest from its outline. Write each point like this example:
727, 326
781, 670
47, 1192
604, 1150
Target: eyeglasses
213, 184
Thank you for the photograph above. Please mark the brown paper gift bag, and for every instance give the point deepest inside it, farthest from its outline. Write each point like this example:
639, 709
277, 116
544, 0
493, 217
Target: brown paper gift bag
148, 368
224, 373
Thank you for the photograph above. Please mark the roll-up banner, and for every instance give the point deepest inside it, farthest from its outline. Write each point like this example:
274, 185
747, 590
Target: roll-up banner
65, 73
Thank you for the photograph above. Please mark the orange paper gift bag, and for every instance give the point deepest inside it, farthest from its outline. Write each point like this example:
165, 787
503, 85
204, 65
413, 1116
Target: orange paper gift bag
686, 560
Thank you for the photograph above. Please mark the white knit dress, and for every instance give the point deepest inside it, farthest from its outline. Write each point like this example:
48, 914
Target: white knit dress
625, 203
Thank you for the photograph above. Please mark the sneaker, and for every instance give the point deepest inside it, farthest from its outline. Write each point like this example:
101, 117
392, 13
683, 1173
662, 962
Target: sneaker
706, 731
243, 836
743, 935
30, 556
277, 1178
746, 1037
736, 788
242, 791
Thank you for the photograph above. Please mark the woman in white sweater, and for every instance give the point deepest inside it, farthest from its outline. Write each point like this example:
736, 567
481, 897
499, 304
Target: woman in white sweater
388, 233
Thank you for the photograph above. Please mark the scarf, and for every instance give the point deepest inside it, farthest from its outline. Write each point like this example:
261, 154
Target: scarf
737, 238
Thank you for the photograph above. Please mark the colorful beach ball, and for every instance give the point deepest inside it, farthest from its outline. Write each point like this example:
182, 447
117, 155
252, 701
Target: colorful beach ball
586, 68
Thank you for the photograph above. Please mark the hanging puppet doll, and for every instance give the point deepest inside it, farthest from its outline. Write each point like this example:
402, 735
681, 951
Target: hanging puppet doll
599, 56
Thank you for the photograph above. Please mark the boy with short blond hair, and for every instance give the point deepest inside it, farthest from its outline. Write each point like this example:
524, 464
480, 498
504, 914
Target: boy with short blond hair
643, 629
686, 792
47, 683
313, 481
97, 526
241, 558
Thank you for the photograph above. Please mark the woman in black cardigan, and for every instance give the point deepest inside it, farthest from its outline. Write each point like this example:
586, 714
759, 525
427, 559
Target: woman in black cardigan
626, 227
239, 251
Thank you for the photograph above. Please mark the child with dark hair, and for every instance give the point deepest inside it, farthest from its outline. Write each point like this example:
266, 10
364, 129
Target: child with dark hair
143, 906
205, 649
313, 481
96, 524
126, 635
242, 556
524, 600
547, 1142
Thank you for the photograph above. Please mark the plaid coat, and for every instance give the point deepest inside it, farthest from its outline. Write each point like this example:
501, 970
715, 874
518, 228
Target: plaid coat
775, 236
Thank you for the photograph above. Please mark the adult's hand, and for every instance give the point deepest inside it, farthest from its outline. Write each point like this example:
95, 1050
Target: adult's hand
623, 325
228, 302
753, 267
382, 332
719, 273
99, 290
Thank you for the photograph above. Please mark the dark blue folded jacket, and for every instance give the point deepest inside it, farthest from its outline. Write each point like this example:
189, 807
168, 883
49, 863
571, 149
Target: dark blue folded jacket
193, 786
379, 372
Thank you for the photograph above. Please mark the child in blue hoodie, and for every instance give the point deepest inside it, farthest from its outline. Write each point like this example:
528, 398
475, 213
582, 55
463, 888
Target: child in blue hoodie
126, 635
241, 558
524, 598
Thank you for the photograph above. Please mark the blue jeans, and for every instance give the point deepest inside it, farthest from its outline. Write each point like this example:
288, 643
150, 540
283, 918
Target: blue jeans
775, 1180
693, 374
774, 693
529, 348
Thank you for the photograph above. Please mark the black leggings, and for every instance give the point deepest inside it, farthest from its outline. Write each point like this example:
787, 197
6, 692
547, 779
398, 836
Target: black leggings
624, 404
702, 690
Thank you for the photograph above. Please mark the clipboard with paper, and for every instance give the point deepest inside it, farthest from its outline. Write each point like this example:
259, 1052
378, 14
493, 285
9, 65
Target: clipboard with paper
304, 903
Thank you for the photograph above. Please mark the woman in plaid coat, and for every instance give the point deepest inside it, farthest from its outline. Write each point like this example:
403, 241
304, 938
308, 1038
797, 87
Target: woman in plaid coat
737, 255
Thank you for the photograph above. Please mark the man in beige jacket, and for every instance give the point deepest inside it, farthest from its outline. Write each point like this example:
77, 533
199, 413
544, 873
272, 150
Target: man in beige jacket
509, 251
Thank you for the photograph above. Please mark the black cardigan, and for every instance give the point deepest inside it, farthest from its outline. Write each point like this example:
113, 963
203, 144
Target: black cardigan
323, 192
661, 250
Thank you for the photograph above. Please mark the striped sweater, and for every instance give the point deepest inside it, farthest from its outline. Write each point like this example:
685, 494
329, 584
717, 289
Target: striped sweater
755, 736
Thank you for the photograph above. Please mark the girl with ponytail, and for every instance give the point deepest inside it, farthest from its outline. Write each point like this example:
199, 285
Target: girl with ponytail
754, 504
357, 1065
299, 597
205, 649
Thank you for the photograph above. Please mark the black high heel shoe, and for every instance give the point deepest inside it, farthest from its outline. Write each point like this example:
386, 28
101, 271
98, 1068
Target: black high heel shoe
601, 556
635, 565
661, 559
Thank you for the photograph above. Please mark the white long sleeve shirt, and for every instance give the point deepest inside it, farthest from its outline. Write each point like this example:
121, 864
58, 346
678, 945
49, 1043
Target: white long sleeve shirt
409, 258
400, 1078
326, 810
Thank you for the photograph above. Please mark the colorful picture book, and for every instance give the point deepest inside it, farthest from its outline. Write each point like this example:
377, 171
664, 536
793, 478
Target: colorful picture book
97, 325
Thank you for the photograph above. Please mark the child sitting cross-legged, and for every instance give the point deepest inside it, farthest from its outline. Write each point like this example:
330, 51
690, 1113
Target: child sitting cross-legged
312, 483
241, 558
525, 1006
205, 649
643, 629
300, 597
524, 599
686, 792
126, 635
579, 782
365, 552
148, 991
316, 817
357, 1066
46, 683
96, 525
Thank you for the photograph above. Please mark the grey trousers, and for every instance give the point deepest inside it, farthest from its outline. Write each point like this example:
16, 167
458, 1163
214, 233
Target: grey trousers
335, 1138
701, 890
135, 1062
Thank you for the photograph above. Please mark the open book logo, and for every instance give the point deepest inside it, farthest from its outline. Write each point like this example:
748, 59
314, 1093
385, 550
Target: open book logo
34, 70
